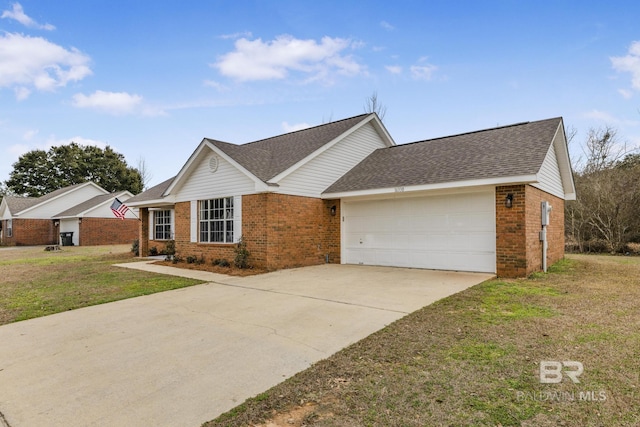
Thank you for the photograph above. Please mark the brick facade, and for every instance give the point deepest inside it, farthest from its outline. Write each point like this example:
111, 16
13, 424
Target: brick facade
281, 231
30, 232
107, 231
518, 246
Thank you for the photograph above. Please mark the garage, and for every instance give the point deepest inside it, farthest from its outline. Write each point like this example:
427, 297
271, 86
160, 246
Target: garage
443, 232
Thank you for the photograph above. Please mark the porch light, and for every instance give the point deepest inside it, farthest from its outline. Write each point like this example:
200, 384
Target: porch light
508, 201
333, 210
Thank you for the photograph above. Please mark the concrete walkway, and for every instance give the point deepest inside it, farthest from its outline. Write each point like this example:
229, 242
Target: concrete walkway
182, 357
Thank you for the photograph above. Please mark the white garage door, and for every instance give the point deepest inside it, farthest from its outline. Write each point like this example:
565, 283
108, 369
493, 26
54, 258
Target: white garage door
450, 232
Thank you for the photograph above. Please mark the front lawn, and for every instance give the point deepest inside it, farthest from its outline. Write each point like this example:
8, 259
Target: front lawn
36, 283
473, 359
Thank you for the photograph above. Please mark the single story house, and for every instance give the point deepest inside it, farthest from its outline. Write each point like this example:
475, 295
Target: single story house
81, 209
344, 192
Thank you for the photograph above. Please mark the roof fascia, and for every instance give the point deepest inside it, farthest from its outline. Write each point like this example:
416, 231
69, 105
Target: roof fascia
194, 157
377, 124
88, 183
564, 162
166, 201
508, 180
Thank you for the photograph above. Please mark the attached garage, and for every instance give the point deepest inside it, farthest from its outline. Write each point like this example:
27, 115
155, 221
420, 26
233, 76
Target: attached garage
444, 232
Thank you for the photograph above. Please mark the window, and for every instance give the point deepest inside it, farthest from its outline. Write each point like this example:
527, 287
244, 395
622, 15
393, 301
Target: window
9, 228
216, 220
162, 225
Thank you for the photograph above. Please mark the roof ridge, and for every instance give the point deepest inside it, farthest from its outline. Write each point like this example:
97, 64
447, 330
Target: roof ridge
474, 132
305, 129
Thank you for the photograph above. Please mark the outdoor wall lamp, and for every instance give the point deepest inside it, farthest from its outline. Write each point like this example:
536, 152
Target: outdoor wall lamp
333, 210
508, 201
56, 223
79, 220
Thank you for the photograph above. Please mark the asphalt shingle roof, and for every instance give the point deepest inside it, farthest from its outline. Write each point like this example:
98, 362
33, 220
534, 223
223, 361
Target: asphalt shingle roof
267, 158
154, 193
86, 205
514, 150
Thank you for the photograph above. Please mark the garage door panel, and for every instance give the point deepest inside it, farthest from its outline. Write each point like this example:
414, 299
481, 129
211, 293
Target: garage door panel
453, 232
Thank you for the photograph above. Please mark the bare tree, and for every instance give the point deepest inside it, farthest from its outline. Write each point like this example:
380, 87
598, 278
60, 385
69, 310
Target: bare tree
602, 149
373, 105
144, 172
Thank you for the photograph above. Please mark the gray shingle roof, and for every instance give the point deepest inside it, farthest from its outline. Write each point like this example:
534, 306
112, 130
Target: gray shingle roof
86, 205
267, 158
154, 193
506, 151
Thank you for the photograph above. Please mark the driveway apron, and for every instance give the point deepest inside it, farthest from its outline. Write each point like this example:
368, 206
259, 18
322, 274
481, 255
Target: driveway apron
183, 357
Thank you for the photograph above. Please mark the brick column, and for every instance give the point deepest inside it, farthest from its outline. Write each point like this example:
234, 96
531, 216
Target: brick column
143, 232
511, 233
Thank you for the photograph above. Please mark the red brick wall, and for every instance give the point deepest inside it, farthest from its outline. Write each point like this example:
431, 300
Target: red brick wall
281, 231
143, 232
511, 258
555, 230
28, 232
518, 246
107, 231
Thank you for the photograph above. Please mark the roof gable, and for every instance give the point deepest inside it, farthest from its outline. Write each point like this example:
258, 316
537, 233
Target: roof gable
20, 205
264, 159
510, 151
91, 204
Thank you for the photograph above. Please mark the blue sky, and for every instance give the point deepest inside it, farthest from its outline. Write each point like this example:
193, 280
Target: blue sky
151, 79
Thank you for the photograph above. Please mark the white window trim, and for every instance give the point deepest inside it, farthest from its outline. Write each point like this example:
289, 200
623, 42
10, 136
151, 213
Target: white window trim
9, 228
225, 221
152, 234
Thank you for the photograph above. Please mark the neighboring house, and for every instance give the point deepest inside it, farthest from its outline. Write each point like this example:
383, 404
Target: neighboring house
83, 209
343, 192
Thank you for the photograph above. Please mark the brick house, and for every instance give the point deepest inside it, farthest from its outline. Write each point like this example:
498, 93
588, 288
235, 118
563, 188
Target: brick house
82, 209
344, 192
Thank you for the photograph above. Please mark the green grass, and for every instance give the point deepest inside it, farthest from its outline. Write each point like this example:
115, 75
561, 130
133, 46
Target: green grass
36, 283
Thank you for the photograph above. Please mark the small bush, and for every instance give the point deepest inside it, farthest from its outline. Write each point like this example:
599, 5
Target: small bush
191, 259
135, 247
221, 262
242, 254
176, 259
170, 247
153, 251
200, 260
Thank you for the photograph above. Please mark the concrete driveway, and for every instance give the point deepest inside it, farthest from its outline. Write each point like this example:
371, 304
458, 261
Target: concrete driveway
182, 357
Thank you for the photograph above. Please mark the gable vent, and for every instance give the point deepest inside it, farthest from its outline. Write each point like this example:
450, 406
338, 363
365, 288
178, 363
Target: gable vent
213, 164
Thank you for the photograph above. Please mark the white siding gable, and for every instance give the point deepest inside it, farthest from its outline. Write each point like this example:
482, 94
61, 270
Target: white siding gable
549, 178
104, 210
63, 202
312, 178
202, 183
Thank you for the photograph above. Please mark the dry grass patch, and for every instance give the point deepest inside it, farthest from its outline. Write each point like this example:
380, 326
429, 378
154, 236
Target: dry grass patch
36, 283
473, 359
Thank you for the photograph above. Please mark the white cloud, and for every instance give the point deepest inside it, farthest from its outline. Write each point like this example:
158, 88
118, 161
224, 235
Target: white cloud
109, 102
258, 60
294, 127
608, 118
394, 69
236, 35
629, 64
217, 86
52, 141
17, 13
423, 72
627, 94
28, 135
35, 62
387, 26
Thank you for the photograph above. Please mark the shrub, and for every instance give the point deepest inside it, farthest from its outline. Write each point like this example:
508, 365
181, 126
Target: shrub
191, 259
153, 251
170, 247
242, 254
135, 247
176, 259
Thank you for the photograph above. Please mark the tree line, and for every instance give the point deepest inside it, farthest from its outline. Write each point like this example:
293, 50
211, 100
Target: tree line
39, 172
606, 215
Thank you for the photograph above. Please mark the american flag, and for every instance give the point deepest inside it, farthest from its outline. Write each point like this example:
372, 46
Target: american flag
119, 209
